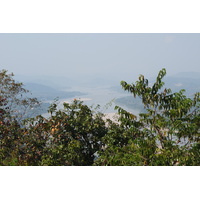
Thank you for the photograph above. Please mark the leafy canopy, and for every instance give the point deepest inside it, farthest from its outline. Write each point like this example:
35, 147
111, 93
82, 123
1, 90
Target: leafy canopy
166, 133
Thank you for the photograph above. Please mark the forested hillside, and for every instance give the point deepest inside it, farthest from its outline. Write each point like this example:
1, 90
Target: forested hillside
166, 132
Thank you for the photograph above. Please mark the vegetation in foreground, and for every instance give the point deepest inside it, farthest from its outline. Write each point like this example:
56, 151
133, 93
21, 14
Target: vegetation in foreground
167, 133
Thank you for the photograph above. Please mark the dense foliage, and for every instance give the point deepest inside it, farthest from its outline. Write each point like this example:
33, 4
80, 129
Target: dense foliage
167, 133
13, 97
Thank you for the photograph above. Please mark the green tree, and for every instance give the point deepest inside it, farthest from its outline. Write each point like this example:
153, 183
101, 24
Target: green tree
70, 136
14, 105
167, 133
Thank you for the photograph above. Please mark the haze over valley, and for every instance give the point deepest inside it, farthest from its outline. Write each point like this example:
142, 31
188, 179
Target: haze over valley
105, 93
78, 111
91, 66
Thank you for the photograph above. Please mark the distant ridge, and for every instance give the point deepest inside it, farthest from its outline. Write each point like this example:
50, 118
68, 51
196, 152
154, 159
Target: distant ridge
44, 92
189, 74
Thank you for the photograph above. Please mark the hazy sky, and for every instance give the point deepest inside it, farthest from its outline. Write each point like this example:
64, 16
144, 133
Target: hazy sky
107, 55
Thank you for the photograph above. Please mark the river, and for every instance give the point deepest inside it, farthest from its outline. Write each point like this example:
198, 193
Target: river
103, 96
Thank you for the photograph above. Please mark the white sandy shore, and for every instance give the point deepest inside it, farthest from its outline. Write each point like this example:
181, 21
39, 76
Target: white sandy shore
80, 99
111, 116
84, 99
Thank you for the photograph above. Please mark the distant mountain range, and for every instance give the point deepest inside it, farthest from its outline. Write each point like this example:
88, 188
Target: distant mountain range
44, 92
48, 88
191, 75
54, 82
61, 82
190, 81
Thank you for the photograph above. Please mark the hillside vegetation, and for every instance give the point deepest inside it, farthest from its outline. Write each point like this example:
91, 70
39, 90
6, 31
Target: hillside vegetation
166, 133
